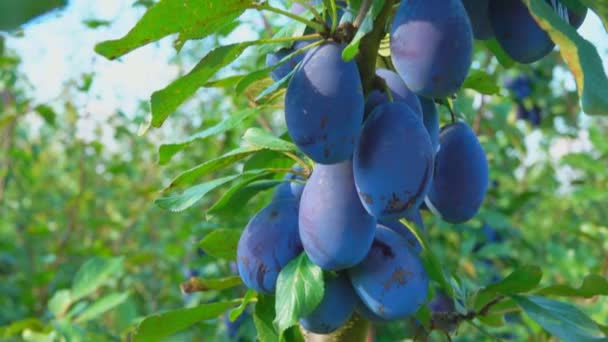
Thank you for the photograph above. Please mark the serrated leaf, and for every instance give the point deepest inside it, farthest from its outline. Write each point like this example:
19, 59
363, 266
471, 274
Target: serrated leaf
93, 274
193, 194
580, 55
562, 320
250, 296
221, 243
263, 317
101, 305
300, 289
234, 199
167, 151
158, 326
593, 285
262, 139
191, 175
521, 280
481, 82
431, 263
189, 18
167, 100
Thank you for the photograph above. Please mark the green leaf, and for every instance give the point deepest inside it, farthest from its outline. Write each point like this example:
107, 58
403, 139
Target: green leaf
260, 138
167, 151
101, 306
521, 280
585, 162
501, 55
431, 263
15, 328
234, 199
562, 320
189, 18
189, 176
599, 7
300, 289
263, 316
159, 326
193, 194
221, 243
268, 159
167, 100
47, 113
481, 82
580, 55
205, 284
250, 296
352, 49
593, 285
60, 302
95, 273
14, 13
276, 86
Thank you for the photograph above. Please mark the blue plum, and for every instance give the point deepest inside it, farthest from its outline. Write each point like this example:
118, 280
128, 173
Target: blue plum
441, 302
398, 89
232, 328
576, 16
290, 189
324, 105
391, 280
335, 229
267, 244
404, 231
285, 68
521, 86
430, 116
336, 307
480, 18
461, 177
432, 46
517, 32
393, 161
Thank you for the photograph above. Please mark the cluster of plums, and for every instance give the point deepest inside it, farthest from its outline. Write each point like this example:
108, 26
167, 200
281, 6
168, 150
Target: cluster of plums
527, 109
378, 158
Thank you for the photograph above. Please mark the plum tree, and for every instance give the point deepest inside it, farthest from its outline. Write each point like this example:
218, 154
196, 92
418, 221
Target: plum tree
391, 280
336, 231
430, 117
324, 105
335, 309
398, 89
460, 181
477, 11
423, 36
393, 161
267, 244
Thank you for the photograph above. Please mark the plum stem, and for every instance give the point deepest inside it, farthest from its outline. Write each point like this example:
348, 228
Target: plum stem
311, 8
365, 6
266, 7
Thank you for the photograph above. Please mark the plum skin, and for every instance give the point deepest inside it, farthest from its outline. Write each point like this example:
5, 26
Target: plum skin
461, 177
393, 162
432, 49
336, 231
391, 281
398, 89
336, 307
324, 105
268, 243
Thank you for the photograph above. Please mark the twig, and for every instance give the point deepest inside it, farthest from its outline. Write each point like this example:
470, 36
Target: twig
365, 6
267, 7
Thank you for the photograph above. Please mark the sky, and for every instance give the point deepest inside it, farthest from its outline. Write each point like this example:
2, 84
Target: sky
58, 48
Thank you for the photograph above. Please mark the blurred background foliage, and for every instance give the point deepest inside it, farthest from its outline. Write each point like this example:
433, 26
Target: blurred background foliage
79, 210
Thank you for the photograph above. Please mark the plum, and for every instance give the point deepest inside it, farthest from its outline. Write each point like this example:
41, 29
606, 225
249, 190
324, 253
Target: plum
335, 229
324, 105
398, 89
432, 46
393, 161
285, 68
461, 177
430, 117
480, 18
267, 244
391, 281
517, 32
290, 189
336, 307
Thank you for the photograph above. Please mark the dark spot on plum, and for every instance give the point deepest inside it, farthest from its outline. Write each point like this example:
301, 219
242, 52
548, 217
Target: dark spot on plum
324, 137
399, 276
436, 78
367, 198
274, 213
385, 249
326, 152
261, 272
324, 122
